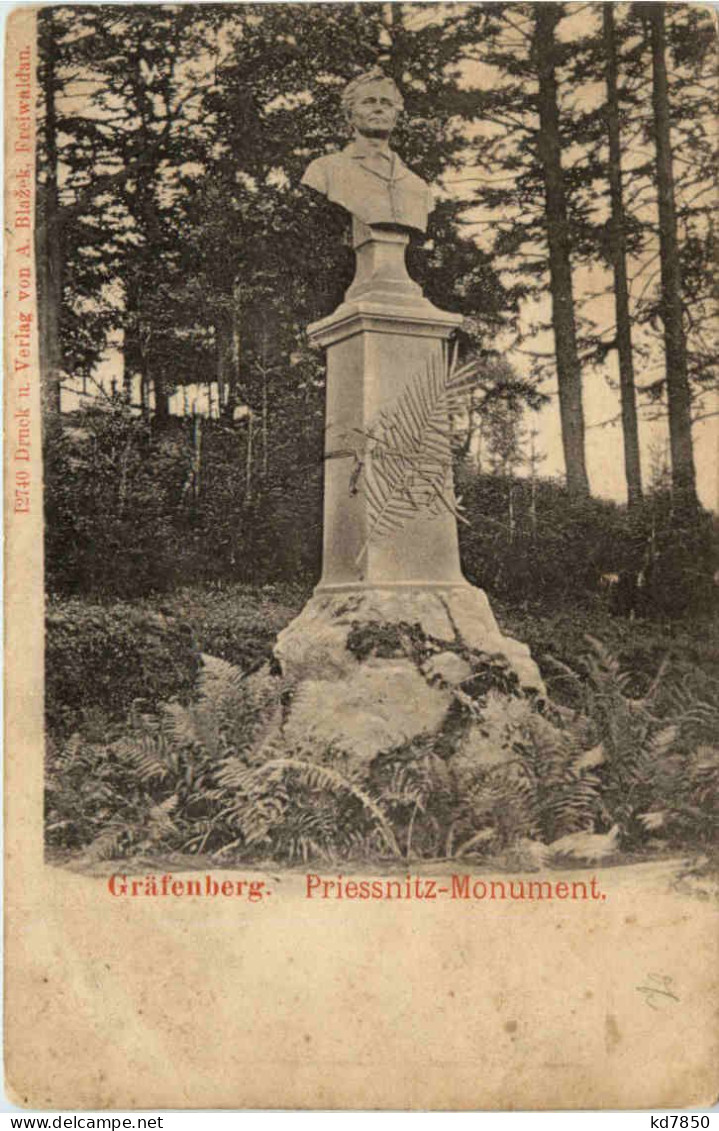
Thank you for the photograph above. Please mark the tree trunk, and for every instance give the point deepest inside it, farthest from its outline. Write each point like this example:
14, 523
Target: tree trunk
228, 358
132, 353
569, 374
534, 461
196, 455
678, 391
264, 373
48, 234
233, 390
248, 461
265, 425
145, 215
630, 429
162, 401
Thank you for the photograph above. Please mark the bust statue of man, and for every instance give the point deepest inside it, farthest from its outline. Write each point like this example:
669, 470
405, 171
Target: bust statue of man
367, 178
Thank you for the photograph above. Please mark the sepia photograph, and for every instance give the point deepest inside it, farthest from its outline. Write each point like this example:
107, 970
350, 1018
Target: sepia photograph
362, 493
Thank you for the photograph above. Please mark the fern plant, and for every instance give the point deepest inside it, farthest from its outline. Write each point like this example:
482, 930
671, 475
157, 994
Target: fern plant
217, 777
212, 777
648, 760
544, 790
155, 786
91, 792
414, 787
301, 808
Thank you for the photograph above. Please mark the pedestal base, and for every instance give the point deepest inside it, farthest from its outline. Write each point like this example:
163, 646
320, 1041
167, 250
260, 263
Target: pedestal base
394, 644
374, 668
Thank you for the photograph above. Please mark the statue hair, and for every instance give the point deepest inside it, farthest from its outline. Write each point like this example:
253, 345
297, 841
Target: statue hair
376, 74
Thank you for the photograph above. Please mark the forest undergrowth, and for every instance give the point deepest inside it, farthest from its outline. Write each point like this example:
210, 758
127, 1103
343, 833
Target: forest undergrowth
622, 761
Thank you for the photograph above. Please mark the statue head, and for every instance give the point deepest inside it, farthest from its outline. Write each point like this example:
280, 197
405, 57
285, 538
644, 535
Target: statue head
372, 103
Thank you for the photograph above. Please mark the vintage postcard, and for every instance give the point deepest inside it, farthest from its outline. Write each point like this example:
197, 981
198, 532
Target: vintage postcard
361, 591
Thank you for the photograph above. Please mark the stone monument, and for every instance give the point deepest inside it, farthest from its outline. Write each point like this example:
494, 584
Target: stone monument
393, 630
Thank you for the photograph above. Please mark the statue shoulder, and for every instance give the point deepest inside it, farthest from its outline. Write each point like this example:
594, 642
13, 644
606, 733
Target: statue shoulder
318, 173
414, 179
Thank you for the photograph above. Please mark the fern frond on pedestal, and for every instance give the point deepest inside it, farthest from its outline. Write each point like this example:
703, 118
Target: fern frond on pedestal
408, 457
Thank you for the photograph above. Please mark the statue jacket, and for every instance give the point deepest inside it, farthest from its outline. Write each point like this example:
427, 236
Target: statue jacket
373, 185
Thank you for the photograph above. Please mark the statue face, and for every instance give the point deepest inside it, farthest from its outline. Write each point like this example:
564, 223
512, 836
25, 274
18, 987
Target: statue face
374, 110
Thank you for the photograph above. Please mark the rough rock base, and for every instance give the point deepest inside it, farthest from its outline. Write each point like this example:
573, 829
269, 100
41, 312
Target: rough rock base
373, 669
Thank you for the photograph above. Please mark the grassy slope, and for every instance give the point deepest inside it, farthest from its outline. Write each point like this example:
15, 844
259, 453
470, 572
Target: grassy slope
239, 623
686, 650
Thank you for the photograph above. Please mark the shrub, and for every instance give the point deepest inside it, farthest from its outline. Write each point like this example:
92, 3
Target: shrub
113, 500
547, 547
553, 548
100, 659
131, 511
237, 623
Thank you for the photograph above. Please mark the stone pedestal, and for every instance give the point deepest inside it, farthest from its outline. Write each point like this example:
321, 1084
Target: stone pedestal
365, 692
377, 342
